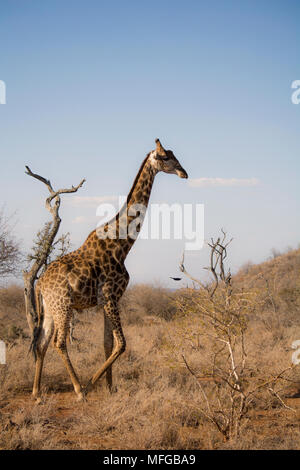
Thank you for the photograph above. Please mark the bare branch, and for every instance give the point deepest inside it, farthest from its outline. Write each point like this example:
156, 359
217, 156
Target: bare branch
272, 391
183, 270
65, 191
41, 178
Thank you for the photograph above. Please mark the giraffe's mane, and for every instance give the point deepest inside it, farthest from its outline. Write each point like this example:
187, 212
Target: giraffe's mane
137, 177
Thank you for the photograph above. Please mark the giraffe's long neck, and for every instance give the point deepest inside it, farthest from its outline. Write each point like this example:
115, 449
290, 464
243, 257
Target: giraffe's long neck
119, 234
131, 216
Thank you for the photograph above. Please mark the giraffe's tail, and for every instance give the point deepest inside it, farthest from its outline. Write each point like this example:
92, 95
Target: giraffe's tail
38, 328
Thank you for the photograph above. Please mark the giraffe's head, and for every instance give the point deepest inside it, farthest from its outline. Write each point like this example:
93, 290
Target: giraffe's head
165, 160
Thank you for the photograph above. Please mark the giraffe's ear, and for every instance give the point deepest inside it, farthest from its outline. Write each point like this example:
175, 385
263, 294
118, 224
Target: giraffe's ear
159, 148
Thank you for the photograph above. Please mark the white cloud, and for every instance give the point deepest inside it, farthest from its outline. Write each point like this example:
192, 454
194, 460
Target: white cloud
91, 201
225, 182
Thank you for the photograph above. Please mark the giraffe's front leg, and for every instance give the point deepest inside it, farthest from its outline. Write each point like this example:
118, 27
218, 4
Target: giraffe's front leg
119, 343
114, 340
108, 336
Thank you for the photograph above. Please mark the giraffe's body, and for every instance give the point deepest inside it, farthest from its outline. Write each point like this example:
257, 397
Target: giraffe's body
94, 274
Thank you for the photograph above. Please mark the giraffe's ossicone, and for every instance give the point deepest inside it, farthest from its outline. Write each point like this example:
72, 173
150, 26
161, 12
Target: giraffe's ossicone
94, 274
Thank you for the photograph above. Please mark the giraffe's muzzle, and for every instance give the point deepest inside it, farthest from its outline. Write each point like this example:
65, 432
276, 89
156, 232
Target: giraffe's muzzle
181, 173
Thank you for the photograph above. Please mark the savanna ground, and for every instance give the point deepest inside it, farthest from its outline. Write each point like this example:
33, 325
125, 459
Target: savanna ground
158, 402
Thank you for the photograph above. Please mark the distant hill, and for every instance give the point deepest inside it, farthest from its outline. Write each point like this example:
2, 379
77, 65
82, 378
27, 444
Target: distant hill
280, 278
284, 269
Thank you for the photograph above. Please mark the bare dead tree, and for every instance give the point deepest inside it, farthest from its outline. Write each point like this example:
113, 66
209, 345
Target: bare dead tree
218, 255
10, 255
227, 391
30, 275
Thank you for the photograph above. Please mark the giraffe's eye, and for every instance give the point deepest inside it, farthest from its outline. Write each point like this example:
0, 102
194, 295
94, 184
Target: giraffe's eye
162, 157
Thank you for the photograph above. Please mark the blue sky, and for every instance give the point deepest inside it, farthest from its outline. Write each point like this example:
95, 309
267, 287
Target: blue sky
91, 84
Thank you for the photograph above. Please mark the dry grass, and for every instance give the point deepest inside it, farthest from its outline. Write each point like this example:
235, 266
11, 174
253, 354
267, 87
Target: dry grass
12, 324
157, 402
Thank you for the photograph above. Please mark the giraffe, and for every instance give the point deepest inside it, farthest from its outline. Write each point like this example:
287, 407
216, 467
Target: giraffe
95, 274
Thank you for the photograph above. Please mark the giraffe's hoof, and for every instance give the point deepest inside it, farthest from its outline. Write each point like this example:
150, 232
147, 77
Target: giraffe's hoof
37, 399
87, 388
81, 397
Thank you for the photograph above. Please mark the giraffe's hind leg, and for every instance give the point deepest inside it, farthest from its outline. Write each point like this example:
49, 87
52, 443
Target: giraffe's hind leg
108, 347
62, 329
41, 349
